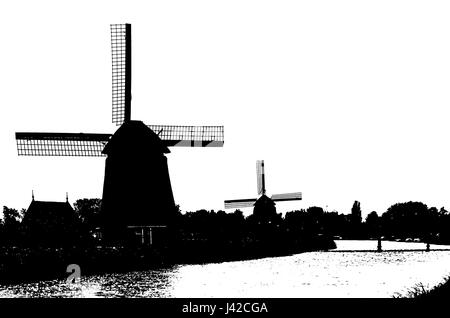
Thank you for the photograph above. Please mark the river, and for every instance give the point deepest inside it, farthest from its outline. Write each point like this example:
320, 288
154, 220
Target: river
339, 273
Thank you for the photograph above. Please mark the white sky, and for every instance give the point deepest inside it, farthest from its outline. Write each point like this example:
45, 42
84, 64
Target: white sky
344, 100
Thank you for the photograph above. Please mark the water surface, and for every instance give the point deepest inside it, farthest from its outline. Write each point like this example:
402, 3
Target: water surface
315, 274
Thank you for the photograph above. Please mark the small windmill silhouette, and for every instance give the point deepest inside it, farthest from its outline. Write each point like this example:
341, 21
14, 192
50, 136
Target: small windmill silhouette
137, 191
261, 190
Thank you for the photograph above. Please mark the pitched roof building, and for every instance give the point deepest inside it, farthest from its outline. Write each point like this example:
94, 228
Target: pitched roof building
49, 223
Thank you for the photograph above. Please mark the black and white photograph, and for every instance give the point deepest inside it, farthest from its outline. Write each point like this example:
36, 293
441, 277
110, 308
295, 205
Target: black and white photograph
225, 150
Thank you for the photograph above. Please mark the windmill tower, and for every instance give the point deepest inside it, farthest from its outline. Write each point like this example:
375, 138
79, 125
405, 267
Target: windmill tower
136, 191
262, 202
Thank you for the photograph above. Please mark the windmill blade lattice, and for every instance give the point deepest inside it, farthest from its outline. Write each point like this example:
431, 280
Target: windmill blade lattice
287, 196
61, 144
190, 136
121, 72
260, 178
242, 203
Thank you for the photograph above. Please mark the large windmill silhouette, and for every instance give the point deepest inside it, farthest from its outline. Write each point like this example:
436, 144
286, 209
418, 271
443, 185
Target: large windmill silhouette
261, 189
137, 191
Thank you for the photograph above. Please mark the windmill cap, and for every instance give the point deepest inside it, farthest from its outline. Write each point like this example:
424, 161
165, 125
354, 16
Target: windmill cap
134, 135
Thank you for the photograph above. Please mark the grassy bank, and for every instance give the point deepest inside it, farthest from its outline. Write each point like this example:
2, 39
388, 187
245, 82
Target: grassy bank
421, 292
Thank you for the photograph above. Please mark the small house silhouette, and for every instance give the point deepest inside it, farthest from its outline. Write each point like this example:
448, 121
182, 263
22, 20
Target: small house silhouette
49, 223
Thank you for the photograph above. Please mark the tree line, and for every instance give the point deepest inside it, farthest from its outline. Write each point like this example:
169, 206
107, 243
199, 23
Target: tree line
399, 221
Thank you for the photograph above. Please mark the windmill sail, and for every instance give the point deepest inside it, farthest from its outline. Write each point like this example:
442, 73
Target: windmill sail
287, 196
121, 72
260, 178
190, 136
61, 144
242, 203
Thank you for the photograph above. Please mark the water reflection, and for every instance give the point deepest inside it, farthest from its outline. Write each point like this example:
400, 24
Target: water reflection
134, 284
317, 274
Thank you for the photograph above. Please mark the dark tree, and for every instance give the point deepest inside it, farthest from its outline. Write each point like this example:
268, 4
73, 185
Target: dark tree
88, 210
443, 212
10, 227
314, 221
372, 224
315, 211
356, 213
10, 216
372, 218
443, 228
335, 224
408, 220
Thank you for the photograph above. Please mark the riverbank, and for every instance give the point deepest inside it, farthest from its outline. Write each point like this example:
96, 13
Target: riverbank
302, 275
18, 265
420, 292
